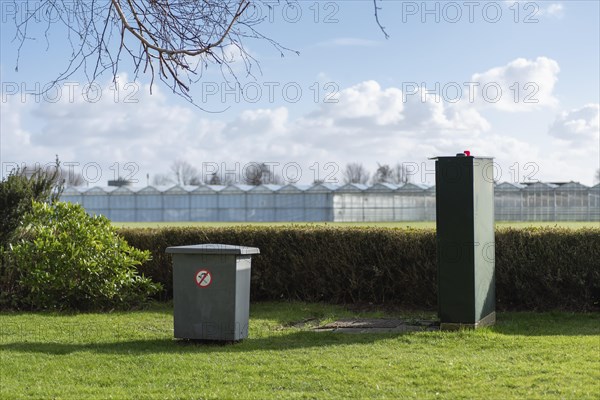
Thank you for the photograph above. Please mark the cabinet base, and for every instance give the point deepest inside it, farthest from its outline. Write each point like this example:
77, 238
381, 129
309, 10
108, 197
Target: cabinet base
488, 320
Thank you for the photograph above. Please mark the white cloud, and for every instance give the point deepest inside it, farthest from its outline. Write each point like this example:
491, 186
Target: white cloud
368, 124
263, 121
365, 100
555, 10
13, 134
107, 119
571, 163
531, 11
580, 125
149, 131
572, 155
367, 105
521, 85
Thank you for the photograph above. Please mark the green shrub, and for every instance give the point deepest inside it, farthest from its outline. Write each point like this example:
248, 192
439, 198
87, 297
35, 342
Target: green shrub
19, 190
536, 269
66, 259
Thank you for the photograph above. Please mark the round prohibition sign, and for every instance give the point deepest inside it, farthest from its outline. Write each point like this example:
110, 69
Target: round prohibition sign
203, 278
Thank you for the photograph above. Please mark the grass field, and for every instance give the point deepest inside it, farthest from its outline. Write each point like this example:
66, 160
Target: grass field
414, 225
132, 355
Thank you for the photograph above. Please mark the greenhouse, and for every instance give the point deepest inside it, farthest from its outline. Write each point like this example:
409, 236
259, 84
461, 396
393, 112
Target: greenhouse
537, 201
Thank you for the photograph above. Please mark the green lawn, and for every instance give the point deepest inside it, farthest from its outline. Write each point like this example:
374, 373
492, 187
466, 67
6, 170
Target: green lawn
132, 355
408, 224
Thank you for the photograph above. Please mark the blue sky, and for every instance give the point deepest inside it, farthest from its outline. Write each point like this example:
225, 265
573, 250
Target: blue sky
350, 96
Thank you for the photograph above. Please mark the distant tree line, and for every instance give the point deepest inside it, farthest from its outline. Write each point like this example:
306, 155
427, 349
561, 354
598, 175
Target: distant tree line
183, 173
261, 173
256, 173
357, 173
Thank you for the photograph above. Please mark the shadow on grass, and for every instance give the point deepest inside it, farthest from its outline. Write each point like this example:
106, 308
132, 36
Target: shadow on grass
510, 324
296, 340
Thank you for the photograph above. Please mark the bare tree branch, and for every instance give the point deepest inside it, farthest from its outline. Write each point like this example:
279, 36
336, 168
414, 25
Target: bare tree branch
172, 40
376, 9
185, 173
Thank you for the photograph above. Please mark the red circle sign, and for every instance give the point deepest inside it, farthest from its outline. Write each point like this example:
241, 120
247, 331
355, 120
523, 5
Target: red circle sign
203, 278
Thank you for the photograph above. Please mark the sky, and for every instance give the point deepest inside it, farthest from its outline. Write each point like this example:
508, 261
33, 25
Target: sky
517, 81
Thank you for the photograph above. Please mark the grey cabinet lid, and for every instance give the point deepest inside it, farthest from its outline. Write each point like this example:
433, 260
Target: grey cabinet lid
213, 249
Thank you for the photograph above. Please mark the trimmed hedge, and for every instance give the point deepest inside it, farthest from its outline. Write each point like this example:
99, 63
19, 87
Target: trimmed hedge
548, 269
536, 268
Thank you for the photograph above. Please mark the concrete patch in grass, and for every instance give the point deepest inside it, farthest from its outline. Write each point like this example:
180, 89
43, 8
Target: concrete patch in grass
378, 325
